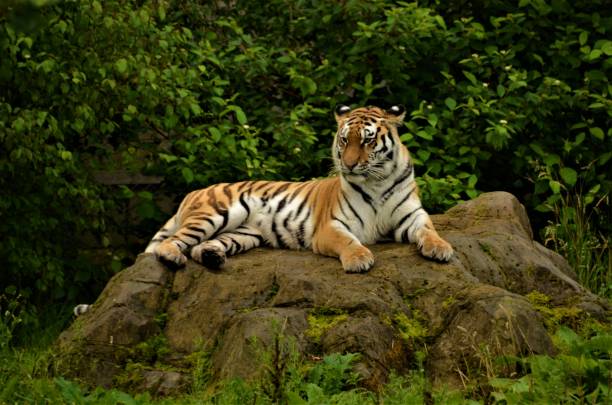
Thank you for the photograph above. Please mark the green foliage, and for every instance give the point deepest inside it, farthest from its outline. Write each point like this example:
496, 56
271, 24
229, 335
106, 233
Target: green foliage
500, 96
582, 373
574, 235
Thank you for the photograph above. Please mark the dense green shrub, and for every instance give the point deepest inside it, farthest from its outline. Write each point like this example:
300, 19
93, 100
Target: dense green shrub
502, 96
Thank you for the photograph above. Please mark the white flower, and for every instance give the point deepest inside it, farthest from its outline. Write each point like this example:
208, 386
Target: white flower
485, 84
474, 55
245, 126
503, 122
429, 107
508, 67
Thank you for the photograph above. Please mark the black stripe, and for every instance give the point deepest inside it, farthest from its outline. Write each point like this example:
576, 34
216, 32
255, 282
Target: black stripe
281, 189
302, 230
279, 239
353, 210
221, 241
225, 215
281, 204
403, 199
210, 221
384, 147
414, 219
392, 139
405, 217
192, 235
265, 192
244, 204
286, 225
366, 197
348, 228
195, 229
259, 187
243, 233
296, 192
185, 245
407, 172
245, 184
227, 192
262, 241
342, 210
303, 204
252, 235
236, 246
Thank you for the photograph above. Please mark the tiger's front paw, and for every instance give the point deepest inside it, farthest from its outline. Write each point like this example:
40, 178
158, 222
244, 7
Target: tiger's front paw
170, 255
357, 260
434, 247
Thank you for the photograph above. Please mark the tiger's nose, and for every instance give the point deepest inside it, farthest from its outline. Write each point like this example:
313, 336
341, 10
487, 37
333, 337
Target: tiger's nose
350, 166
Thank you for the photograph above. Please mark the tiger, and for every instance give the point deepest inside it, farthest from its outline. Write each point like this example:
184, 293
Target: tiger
373, 197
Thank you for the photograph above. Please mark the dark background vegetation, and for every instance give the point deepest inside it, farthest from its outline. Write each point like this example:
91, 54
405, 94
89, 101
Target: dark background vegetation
110, 111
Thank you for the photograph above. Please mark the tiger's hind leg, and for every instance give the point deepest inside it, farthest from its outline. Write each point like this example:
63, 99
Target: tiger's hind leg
213, 252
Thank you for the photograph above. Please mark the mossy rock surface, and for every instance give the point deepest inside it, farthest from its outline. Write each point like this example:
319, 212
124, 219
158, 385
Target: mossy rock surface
476, 301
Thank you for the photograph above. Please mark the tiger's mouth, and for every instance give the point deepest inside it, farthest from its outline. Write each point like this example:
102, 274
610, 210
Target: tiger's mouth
364, 173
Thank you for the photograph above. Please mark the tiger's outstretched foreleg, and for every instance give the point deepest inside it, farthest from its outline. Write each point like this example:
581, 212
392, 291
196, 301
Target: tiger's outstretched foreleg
331, 241
213, 253
416, 226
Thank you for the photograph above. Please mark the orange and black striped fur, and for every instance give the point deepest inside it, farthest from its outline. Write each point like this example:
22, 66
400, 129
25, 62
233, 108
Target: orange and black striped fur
374, 197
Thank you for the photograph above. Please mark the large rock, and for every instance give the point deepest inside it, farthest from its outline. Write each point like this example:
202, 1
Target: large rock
150, 326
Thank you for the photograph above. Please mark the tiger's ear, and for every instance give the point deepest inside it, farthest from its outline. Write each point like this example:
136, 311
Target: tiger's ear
341, 110
396, 114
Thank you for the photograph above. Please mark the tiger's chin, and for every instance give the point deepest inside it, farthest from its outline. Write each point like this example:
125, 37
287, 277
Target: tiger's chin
355, 177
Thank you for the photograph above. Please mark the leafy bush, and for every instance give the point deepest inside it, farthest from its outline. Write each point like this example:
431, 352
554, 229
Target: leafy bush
582, 373
501, 96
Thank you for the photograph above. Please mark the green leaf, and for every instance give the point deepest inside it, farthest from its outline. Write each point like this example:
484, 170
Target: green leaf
472, 181
500, 90
240, 115
594, 54
470, 77
46, 65
552, 159
424, 135
597, 133
464, 149
450, 103
555, 186
583, 37
121, 65
568, 175
215, 134
432, 119
606, 48
187, 174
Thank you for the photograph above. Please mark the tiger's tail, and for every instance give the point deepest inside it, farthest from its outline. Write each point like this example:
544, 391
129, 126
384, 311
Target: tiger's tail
166, 231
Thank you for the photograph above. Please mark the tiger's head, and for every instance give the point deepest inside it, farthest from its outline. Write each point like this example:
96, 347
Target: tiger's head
367, 142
